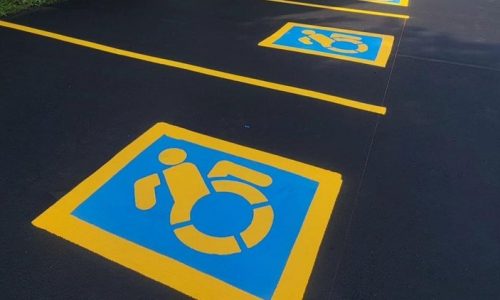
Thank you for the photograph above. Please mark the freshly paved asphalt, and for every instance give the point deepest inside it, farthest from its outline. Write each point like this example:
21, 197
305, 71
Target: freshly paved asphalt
418, 214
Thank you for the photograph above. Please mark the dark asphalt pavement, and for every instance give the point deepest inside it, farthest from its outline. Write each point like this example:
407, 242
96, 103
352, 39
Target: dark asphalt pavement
418, 213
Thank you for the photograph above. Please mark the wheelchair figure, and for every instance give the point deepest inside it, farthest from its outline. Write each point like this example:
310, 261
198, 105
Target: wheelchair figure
187, 187
328, 42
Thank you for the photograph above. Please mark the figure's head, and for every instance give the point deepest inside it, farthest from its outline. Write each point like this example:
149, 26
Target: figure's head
172, 156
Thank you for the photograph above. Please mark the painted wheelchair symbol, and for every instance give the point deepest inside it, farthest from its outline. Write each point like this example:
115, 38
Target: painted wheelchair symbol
328, 42
187, 187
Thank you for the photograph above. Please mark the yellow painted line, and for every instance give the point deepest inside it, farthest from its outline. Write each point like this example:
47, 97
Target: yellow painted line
344, 9
381, 110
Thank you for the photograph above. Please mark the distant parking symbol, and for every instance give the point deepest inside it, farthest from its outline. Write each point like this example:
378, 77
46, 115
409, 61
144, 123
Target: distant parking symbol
207, 217
355, 46
390, 2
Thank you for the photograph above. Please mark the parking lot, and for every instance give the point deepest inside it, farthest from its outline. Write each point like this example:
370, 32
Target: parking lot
398, 100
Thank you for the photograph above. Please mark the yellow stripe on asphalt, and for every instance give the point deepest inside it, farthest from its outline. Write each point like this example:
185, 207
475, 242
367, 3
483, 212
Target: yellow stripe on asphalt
381, 110
344, 9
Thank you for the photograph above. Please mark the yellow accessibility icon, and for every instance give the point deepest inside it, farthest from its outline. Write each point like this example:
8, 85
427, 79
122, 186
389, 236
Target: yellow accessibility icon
187, 187
329, 42
210, 218
390, 2
349, 45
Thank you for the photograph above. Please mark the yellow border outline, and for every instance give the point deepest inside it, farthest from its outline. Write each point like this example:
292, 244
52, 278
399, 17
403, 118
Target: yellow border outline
59, 221
344, 9
376, 109
380, 61
403, 3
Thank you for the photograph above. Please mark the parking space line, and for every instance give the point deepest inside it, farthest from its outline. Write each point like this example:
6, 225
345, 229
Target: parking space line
344, 9
381, 110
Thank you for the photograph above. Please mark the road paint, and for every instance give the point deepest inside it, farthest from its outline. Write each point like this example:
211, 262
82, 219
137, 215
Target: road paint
355, 46
343, 9
207, 217
390, 2
381, 110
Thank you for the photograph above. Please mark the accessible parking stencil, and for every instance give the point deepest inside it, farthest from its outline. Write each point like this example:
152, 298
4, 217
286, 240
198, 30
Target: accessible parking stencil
390, 2
207, 217
355, 46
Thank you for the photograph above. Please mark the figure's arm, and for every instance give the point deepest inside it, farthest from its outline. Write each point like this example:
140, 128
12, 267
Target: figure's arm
225, 168
144, 191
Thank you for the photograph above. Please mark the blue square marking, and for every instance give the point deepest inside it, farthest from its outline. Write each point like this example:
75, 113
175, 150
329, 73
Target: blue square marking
361, 46
256, 270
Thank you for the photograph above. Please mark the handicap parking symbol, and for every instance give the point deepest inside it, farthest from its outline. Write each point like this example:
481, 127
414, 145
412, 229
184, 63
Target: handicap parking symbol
355, 46
226, 177
390, 2
204, 216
